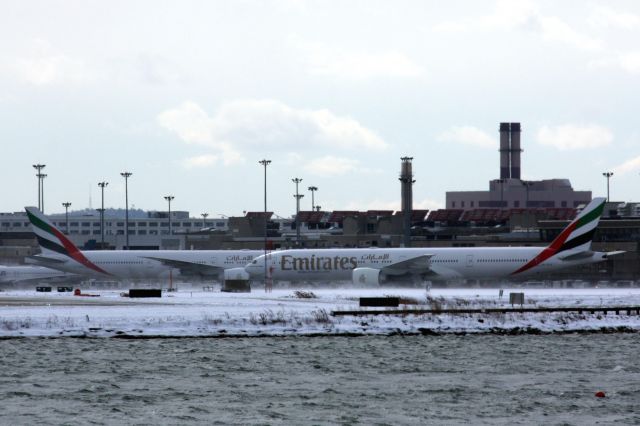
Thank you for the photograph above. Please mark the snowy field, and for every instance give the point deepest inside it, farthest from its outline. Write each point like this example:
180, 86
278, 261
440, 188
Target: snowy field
198, 313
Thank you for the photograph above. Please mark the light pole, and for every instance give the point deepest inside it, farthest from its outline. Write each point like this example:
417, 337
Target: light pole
66, 206
297, 197
39, 168
265, 163
102, 185
126, 176
318, 208
527, 184
313, 189
608, 176
169, 198
42, 176
204, 219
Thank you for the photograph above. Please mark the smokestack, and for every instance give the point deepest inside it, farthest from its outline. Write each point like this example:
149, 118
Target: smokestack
505, 171
515, 150
406, 184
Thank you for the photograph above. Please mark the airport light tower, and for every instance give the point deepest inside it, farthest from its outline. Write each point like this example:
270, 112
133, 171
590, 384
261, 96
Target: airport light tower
608, 176
297, 196
39, 168
313, 189
265, 163
126, 176
66, 206
527, 184
169, 198
204, 219
42, 176
102, 185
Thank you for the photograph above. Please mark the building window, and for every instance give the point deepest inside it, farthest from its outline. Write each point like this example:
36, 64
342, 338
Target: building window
85, 224
142, 223
85, 232
516, 204
119, 223
73, 223
453, 204
153, 224
142, 232
472, 203
186, 224
219, 224
96, 232
563, 204
17, 224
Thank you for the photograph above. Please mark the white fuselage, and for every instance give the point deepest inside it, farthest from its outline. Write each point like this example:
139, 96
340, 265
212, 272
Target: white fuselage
445, 263
26, 273
141, 264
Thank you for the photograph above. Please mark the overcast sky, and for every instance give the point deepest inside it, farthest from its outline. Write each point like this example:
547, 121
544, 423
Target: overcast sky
189, 96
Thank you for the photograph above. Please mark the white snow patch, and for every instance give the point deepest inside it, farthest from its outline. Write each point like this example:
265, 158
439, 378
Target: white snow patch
187, 313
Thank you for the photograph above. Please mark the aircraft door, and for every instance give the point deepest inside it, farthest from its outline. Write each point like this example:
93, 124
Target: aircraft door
469, 261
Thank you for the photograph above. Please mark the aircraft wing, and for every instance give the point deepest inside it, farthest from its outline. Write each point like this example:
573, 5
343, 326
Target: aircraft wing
190, 268
414, 265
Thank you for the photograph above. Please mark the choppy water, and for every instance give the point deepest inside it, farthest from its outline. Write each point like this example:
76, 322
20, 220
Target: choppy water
485, 379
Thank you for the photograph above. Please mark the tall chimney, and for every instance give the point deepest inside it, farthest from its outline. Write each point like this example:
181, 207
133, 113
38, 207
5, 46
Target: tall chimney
515, 150
406, 184
505, 172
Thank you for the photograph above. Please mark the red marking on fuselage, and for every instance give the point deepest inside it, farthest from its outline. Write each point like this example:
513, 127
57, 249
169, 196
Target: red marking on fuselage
549, 251
76, 254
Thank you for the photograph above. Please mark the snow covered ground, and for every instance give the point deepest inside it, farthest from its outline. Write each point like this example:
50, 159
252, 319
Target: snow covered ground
198, 313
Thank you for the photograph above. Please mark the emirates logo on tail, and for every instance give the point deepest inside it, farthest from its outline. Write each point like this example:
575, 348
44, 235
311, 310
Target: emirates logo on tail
51, 239
577, 236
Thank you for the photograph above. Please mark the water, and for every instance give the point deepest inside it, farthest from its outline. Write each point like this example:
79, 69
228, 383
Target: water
485, 379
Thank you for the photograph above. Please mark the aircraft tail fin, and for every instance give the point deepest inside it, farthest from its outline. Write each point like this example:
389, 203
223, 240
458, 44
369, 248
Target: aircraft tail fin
575, 240
577, 236
53, 241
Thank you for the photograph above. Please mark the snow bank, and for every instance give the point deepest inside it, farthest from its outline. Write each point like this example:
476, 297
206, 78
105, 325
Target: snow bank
214, 314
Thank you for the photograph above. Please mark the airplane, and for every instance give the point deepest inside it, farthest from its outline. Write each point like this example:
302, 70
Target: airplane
58, 252
375, 265
13, 274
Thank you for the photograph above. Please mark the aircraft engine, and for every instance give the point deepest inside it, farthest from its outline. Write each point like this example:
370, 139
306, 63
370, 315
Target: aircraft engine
235, 274
366, 276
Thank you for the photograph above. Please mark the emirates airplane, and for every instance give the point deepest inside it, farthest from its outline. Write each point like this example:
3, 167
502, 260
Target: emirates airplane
375, 265
58, 252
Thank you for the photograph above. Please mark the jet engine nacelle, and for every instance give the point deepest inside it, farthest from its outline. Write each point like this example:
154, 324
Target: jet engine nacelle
366, 276
236, 274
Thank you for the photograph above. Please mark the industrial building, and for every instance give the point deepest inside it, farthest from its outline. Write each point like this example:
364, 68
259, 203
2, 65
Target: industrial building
510, 191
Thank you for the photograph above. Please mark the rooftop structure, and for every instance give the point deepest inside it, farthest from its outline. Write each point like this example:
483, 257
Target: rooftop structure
510, 191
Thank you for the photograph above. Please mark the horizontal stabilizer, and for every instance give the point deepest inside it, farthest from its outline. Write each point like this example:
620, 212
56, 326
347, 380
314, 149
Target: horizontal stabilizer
613, 253
577, 256
44, 260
